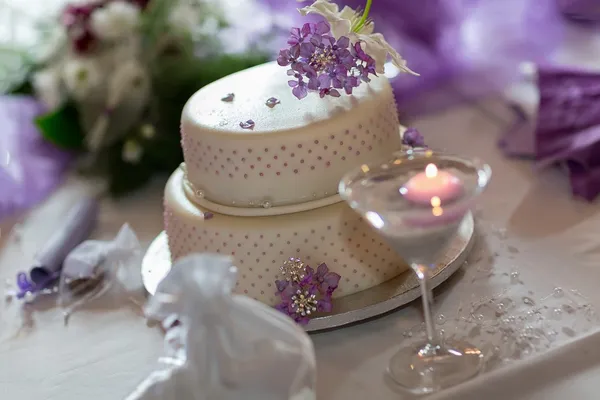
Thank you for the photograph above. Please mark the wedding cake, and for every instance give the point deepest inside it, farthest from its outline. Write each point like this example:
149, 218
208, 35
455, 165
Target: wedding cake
262, 169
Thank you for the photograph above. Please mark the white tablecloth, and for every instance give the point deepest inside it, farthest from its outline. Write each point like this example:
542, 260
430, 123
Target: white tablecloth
528, 224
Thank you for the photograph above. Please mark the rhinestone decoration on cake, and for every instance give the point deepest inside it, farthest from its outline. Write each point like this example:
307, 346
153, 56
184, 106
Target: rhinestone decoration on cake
304, 303
293, 270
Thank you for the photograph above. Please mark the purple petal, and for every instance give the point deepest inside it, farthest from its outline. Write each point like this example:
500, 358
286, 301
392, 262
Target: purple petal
306, 29
23, 282
310, 273
322, 28
288, 292
307, 50
295, 51
316, 40
300, 92
281, 285
324, 305
313, 84
284, 308
332, 279
291, 72
343, 42
293, 84
295, 33
324, 82
309, 71
284, 58
322, 270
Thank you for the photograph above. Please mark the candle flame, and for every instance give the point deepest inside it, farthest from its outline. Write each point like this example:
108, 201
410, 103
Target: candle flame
431, 171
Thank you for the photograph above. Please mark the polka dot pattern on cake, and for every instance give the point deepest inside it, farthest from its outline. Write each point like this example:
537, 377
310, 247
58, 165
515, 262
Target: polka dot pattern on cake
333, 234
245, 170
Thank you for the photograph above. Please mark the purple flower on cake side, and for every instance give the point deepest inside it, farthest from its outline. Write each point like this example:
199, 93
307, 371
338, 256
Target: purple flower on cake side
304, 292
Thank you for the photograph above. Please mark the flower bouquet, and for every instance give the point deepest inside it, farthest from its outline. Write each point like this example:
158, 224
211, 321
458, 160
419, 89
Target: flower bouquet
114, 75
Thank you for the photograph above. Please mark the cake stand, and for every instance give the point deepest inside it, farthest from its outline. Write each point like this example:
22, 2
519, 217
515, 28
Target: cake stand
354, 308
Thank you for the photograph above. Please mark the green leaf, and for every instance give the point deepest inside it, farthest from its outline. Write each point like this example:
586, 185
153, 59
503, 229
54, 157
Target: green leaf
61, 127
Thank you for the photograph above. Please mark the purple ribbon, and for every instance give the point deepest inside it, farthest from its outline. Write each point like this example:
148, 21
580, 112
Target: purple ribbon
74, 229
580, 10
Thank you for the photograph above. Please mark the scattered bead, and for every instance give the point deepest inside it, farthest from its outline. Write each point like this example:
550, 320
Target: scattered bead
558, 292
266, 204
528, 301
199, 194
514, 277
441, 319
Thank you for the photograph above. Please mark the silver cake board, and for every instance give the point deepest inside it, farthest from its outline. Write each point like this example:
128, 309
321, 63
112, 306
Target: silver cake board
354, 308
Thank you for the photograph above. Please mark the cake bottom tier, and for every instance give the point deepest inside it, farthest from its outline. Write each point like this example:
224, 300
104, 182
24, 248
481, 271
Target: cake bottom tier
334, 234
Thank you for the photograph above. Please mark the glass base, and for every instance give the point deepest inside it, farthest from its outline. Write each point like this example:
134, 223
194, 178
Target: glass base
428, 368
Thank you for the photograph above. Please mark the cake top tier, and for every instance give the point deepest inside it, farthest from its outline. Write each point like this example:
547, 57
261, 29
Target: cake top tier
252, 88
298, 150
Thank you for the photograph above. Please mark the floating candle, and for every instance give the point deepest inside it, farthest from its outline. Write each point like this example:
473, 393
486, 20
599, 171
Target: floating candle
432, 187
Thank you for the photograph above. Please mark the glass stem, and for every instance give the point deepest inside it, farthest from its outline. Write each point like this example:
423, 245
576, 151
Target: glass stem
423, 275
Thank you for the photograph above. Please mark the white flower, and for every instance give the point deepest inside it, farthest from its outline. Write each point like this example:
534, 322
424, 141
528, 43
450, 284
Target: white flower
81, 75
132, 152
116, 20
348, 23
48, 88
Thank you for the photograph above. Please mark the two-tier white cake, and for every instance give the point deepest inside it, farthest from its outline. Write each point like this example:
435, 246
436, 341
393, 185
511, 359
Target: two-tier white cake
269, 193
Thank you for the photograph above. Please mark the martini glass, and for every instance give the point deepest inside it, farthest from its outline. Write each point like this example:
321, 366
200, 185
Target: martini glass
419, 217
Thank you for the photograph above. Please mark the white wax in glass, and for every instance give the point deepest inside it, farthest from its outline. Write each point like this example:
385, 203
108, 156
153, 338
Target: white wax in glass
433, 187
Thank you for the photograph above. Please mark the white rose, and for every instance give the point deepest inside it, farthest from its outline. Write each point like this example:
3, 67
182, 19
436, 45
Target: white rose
116, 20
48, 88
81, 76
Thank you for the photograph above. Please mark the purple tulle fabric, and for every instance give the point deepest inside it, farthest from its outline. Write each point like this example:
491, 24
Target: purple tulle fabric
30, 168
580, 10
567, 129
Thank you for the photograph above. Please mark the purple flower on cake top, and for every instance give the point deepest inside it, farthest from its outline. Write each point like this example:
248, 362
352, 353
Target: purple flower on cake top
304, 292
335, 55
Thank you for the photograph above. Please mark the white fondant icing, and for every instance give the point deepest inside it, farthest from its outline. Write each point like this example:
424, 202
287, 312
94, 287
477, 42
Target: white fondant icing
297, 151
333, 234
